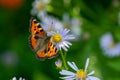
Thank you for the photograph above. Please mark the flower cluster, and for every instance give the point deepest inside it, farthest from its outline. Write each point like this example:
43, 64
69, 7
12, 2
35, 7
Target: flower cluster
65, 29
41, 9
109, 47
59, 30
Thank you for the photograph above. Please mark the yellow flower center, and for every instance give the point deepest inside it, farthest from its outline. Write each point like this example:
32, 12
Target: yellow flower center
41, 6
57, 38
81, 74
112, 45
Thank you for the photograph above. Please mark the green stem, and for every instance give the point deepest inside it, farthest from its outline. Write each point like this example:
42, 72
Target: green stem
65, 54
63, 59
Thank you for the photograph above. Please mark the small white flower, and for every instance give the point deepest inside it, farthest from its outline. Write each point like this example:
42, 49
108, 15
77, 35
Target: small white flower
79, 74
40, 8
108, 45
14, 78
51, 24
106, 40
58, 63
61, 39
66, 20
74, 24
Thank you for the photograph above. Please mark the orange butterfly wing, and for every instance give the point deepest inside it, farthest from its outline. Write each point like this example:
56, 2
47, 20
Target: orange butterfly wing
33, 42
40, 42
52, 50
36, 33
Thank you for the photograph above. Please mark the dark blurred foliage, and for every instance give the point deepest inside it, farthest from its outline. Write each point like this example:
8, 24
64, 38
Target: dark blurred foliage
99, 16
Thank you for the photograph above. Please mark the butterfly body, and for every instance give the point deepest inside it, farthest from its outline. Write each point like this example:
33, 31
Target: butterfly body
41, 44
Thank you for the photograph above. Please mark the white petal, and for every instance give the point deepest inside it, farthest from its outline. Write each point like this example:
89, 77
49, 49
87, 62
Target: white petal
68, 37
64, 42
61, 32
65, 72
64, 32
68, 43
61, 45
87, 63
72, 65
91, 73
92, 78
41, 14
14, 78
20, 78
64, 48
76, 68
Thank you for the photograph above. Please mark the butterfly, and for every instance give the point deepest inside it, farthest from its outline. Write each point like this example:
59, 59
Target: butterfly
41, 44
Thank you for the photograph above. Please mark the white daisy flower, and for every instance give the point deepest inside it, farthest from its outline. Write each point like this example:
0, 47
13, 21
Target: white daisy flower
74, 24
108, 45
51, 24
61, 39
79, 74
14, 78
66, 20
40, 8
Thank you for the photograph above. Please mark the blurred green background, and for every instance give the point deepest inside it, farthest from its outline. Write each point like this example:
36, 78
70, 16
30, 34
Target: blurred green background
18, 59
